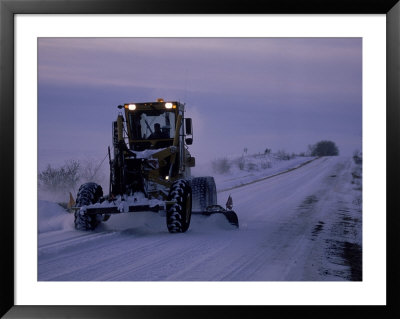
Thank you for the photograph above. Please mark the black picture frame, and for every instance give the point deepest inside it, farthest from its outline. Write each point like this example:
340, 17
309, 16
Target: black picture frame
8, 10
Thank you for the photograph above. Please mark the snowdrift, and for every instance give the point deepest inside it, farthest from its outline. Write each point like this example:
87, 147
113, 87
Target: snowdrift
52, 217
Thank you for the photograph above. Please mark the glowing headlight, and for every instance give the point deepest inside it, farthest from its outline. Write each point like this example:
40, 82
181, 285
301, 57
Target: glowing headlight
131, 107
168, 105
167, 177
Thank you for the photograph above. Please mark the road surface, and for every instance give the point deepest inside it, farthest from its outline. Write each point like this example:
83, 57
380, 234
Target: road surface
303, 225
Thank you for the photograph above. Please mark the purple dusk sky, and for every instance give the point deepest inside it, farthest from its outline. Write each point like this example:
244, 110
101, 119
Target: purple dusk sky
254, 93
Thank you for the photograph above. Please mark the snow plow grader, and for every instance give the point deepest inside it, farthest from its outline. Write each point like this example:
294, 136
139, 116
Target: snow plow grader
150, 171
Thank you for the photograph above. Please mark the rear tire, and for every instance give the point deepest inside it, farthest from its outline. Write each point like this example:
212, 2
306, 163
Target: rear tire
179, 214
204, 193
88, 194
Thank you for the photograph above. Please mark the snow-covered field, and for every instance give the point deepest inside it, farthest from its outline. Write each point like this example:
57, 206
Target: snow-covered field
300, 225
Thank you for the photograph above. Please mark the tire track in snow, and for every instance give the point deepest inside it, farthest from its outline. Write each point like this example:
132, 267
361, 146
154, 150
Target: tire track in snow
145, 260
86, 260
60, 245
170, 263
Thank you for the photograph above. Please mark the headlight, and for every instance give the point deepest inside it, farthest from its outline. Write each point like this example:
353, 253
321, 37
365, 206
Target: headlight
168, 105
131, 107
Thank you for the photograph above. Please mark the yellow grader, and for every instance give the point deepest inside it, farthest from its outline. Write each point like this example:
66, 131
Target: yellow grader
150, 171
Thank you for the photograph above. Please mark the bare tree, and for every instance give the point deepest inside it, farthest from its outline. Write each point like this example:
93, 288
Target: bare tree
62, 179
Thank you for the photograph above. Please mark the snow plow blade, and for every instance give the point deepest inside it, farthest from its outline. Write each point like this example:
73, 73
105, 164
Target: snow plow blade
230, 215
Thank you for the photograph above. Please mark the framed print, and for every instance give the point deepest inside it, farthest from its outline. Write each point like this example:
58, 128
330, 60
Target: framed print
258, 81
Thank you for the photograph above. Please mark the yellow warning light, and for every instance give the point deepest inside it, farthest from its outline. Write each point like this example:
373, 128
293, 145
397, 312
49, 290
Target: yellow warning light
160, 100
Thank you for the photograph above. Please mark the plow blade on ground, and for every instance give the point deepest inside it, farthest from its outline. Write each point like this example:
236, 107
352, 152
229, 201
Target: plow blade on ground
230, 215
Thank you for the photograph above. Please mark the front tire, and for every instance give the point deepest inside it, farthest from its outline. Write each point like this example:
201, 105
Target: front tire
88, 194
179, 214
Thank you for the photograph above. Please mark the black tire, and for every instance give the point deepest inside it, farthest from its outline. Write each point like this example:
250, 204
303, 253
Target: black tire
204, 193
179, 214
88, 193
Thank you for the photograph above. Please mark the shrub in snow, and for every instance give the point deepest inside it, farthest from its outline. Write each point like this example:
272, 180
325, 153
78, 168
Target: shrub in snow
357, 177
251, 166
64, 178
241, 163
357, 157
267, 151
282, 155
68, 177
266, 164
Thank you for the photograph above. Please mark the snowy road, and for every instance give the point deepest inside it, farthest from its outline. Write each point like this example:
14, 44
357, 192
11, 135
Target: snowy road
301, 225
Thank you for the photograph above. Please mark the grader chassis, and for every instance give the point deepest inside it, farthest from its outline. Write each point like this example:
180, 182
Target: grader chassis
150, 171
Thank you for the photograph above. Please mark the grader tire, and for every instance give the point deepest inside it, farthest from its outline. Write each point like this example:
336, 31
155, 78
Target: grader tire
179, 214
204, 193
88, 193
